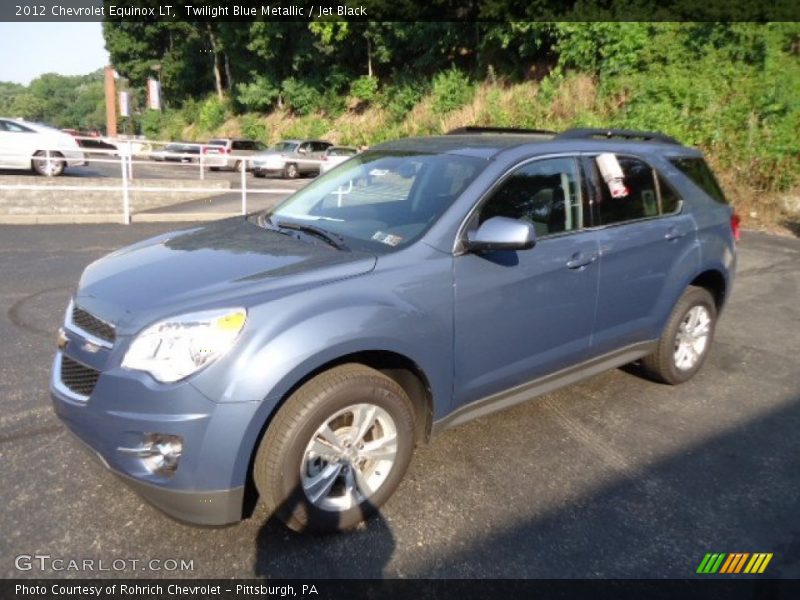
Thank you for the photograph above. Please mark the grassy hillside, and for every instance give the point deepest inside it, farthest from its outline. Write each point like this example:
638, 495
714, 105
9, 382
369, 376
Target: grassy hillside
737, 99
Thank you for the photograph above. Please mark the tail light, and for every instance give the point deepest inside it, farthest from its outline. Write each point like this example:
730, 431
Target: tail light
735, 222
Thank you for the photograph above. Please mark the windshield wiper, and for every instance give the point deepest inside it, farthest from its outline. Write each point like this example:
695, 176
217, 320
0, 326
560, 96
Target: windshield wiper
328, 237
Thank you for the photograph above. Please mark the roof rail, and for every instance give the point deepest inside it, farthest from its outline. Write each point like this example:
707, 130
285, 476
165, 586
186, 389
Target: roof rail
473, 129
628, 134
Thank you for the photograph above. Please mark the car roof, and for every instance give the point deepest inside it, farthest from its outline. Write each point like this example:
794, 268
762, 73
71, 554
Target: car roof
489, 144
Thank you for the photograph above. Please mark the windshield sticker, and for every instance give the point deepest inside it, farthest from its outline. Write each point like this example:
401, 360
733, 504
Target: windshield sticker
387, 238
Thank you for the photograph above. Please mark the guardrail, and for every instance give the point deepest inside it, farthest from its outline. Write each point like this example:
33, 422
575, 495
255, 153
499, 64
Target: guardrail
126, 155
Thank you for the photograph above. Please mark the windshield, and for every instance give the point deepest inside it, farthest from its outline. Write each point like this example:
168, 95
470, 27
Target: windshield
378, 201
285, 146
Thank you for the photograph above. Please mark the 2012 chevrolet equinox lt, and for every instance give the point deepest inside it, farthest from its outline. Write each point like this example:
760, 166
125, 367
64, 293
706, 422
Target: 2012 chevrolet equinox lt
418, 285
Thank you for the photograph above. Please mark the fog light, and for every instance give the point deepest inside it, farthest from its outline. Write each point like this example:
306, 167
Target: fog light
160, 452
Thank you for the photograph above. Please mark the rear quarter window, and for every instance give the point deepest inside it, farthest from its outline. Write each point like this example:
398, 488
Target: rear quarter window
697, 170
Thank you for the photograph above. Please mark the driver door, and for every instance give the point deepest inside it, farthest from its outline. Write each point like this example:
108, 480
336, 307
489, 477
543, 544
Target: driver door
520, 315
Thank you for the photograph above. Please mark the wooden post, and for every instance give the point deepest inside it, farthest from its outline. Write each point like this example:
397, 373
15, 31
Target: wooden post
111, 103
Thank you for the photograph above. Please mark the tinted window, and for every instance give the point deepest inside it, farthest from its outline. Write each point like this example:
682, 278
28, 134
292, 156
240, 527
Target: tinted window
238, 145
341, 151
670, 201
14, 127
319, 146
218, 143
640, 199
697, 170
546, 192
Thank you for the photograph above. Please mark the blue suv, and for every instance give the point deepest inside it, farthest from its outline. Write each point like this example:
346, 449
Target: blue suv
301, 353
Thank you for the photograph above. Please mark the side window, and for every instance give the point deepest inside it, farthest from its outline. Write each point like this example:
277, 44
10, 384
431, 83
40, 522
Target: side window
697, 170
304, 148
545, 192
638, 199
320, 146
15, 127
670, 201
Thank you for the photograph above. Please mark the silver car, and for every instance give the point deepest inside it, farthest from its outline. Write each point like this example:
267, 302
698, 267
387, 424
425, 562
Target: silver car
290, 159
335, 155
227, 153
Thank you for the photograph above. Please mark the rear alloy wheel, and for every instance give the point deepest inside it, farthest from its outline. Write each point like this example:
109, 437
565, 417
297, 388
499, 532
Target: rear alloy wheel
686, 340
290, 171
51, 166
336, 450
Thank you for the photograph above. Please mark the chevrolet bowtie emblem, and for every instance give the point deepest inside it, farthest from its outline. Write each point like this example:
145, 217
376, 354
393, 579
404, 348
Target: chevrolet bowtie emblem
61, 339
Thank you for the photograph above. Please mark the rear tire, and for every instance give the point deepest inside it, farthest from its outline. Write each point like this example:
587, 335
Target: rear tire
49, 168
686, 340
290, 171
336, 450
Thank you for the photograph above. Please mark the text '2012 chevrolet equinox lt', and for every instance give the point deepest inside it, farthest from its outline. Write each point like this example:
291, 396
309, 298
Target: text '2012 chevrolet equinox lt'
302, 352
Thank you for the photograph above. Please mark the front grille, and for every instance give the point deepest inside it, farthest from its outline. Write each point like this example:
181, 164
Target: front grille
91, 324
78, 378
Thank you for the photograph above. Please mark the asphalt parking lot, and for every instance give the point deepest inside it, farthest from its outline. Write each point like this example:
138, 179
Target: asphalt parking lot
612, 477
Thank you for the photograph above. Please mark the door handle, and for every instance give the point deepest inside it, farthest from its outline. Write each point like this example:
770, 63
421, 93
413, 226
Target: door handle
674, 234
581, 260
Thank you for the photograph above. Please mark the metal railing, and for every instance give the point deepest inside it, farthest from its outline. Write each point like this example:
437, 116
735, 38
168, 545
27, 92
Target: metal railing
127, 154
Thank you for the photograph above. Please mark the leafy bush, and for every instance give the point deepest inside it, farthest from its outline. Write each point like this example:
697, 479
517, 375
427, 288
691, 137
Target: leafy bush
151, 123
301, 97
253, 128
259, 94
364, 88
400, 98
213, 113
452, 89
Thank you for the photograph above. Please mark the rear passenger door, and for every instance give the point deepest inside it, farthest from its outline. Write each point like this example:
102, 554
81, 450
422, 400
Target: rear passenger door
645, 242
523, 314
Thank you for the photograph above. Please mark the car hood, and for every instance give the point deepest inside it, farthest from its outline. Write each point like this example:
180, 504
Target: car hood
233, 262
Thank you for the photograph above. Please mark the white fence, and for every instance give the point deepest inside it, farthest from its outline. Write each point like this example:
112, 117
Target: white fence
126, 156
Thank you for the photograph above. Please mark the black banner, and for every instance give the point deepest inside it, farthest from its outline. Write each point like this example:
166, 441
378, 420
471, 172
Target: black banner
751, 588
399, 10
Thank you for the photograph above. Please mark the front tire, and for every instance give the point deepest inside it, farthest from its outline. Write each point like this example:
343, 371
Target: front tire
52, 167
336, 450
686, 340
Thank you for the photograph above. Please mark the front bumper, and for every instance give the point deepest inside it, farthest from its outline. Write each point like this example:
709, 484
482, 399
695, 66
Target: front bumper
124, 407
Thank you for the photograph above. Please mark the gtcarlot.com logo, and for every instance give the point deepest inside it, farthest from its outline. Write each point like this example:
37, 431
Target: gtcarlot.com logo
734, 563
46, 562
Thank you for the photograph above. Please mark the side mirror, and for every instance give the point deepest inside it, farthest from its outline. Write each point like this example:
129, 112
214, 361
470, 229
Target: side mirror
502, 233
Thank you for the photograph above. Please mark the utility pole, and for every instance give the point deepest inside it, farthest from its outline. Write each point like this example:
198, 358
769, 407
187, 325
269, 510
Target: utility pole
111, 102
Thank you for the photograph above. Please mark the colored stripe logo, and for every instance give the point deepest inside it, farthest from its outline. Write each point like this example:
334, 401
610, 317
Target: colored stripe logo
734, 563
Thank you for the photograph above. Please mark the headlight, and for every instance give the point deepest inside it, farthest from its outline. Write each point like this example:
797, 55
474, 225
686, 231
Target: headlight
177, 347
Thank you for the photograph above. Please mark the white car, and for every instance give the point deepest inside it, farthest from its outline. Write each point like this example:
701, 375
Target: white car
335, 155
25, 145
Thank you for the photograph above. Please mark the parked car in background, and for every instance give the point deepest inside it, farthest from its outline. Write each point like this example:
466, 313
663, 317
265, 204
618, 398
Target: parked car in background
92, 140
177, 152
25, 145
335, 155
428, 281
290, 159
227, 153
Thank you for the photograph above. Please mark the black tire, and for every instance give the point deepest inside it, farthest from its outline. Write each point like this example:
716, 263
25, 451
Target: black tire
290, 171
661, 364
40, 165
213, 168
279, 458
259, 174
